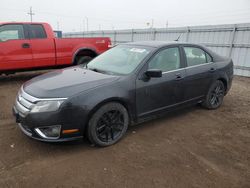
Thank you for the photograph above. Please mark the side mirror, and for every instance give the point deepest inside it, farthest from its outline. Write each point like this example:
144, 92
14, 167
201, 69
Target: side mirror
153, 73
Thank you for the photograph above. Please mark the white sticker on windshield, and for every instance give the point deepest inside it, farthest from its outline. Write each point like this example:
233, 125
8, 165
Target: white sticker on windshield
138, 50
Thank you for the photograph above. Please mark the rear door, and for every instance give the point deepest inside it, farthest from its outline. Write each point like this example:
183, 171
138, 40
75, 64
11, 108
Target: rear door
43, 46
158, 94
15, 47
200, 72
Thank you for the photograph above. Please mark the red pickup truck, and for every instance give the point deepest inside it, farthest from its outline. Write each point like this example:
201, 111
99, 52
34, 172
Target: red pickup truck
25, 46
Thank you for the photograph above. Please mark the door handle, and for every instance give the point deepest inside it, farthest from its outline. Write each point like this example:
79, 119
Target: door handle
212, 69
178, 76
26, 45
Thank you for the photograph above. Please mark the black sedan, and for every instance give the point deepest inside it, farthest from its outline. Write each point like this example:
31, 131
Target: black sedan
126, 85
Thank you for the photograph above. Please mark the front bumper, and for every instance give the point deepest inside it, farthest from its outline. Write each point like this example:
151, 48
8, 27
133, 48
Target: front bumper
29, 130
31, 135
68, 117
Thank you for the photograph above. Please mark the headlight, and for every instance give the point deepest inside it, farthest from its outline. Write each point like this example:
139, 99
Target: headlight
46, 106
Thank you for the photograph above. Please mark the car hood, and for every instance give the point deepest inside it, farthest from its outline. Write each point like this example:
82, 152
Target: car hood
66, 82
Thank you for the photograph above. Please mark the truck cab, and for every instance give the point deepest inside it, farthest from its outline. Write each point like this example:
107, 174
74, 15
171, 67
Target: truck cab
26, 46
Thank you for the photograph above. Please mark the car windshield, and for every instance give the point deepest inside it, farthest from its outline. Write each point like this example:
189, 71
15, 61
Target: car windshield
122, 59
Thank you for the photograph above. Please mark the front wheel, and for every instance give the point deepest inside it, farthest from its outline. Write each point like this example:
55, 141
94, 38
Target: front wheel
108, 124
215, 95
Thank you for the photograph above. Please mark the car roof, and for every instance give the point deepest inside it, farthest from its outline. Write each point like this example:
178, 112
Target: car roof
158, 44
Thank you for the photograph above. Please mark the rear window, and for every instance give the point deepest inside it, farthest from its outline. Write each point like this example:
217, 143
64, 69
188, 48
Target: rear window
196, 56
37, 32
209, 58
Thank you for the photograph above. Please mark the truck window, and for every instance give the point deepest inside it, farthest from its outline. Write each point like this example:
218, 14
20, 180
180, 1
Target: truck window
37, 32
11, 32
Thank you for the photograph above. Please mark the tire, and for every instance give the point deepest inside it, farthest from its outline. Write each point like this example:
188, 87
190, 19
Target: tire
84, 60
215, 95
108, 124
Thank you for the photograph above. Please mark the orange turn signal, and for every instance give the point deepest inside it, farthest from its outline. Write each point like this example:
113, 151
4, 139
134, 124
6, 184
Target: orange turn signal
68, 131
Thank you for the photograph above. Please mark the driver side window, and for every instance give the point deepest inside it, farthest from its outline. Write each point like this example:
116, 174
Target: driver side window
11, 32
166, 60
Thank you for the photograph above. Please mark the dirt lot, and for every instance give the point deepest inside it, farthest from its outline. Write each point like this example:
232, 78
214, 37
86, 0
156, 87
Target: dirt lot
191, 148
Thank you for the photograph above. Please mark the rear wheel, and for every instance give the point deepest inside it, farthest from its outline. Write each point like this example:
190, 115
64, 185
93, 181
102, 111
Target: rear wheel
84, 60
215, 95
108, 124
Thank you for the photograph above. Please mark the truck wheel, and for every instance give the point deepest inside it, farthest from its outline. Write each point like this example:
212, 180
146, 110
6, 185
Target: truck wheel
84, 60
108, 124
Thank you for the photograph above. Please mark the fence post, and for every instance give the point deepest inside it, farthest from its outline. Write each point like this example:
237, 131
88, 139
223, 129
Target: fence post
232, 41
187, 36
132, 35
154, 34
114, 37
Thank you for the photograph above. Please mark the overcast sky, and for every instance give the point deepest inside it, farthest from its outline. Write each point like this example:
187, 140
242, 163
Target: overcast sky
126, 14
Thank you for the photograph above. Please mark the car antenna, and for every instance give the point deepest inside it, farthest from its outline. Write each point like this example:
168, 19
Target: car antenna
178, 37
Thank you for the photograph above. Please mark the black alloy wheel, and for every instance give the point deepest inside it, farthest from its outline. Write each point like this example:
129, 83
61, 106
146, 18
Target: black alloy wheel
108, 124
215, 95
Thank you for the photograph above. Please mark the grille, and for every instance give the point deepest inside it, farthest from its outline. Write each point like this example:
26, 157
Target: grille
23, 103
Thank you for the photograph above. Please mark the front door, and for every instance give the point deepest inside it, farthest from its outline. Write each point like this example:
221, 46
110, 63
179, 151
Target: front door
157, 94
15, 48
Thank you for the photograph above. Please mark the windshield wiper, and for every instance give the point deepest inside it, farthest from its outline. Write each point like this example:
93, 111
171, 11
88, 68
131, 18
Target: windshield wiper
101, 71
97, 70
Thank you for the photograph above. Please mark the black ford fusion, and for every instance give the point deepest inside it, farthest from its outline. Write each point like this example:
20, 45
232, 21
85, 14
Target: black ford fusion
126, 85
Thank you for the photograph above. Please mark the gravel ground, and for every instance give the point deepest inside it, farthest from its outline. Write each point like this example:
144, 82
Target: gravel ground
189, 148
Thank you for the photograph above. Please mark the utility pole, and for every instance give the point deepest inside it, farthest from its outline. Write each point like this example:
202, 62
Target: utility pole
87, 21
31, 14
83, 25
58, 26
167, 24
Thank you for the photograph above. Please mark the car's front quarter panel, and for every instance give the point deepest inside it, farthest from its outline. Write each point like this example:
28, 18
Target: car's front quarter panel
85, 103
